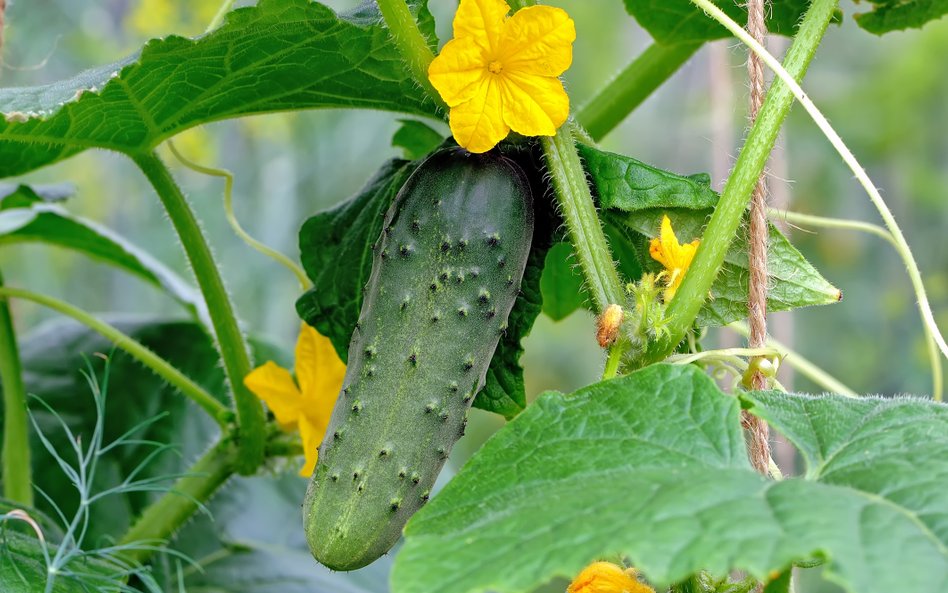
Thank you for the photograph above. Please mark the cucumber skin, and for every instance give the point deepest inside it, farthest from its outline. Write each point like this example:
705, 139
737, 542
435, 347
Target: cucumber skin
445, 276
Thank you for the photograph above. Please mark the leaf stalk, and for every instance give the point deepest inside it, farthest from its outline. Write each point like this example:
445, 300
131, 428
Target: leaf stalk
17, 472
230, 341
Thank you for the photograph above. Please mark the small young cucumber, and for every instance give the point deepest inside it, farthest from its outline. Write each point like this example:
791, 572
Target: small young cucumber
445, 275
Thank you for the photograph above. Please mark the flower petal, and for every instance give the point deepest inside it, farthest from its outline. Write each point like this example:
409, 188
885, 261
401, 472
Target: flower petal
318, 368
274, 385
534, 105
478, 125
482, 21
605, 577
312, 437
538, 40
458, 70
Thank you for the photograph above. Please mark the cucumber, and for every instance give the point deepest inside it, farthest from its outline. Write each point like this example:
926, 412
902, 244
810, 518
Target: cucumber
445, 274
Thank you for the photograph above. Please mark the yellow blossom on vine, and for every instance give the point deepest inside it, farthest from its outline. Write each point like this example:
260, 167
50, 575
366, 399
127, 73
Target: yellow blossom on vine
500, 74
307, 403
673, 255
606, 577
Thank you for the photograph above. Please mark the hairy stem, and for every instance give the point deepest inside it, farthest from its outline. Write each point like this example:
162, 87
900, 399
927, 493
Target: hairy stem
727, 216
135, 349
231, 217
632, 86
934, 358
806, 367
188, 494
932, 333
582, 221
17, 479
230, 341
411, 44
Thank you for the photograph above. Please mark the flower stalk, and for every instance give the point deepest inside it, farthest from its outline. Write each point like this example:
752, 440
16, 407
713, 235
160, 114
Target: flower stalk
230, 341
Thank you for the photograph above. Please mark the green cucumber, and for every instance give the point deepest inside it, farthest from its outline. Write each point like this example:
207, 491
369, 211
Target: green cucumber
445, 275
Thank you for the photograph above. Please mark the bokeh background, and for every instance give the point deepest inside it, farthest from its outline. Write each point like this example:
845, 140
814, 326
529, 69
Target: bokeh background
887, 97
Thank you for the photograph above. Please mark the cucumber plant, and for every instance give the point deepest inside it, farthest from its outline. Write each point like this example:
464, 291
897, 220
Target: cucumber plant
424, 283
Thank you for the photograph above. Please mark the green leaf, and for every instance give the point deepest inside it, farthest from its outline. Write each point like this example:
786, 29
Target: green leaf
23, 567
416, 138
679, 21
896, 15
278, 55
890, 448
636, 195
792, 281
561, 284
253, 534
627, 184
27, 216
652, 466
336, 252
54, 356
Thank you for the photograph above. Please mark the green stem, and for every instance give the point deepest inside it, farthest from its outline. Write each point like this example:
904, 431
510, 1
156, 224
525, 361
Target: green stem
135, 349
796, 218
169, 512
932, 333
727, 216
411, 44
802, 364
582, 221
17, 481
614, 359
231, 217
230, 341
934, 358
632, 86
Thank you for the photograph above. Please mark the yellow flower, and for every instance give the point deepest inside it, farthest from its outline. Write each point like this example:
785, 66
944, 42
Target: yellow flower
306, 407
606, 577
500, 73
673, 255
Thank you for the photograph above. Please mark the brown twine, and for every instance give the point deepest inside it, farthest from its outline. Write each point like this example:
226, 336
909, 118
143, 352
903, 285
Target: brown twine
758, 432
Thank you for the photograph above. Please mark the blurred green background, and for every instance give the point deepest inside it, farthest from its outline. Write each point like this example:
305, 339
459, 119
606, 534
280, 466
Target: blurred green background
887, 97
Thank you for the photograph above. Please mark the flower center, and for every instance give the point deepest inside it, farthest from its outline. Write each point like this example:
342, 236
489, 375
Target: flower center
495, 67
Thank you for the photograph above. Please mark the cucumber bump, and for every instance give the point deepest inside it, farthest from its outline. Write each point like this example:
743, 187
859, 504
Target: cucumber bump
446, 272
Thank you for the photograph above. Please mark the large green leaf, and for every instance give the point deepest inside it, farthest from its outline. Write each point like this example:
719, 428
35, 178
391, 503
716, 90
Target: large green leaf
896, 15
680, 21
26, 215
54, 356
278, 55
635, 196
892, 448
652, 466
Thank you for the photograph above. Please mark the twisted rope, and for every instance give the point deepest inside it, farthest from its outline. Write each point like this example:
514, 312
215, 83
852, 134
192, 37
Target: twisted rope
758, 432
